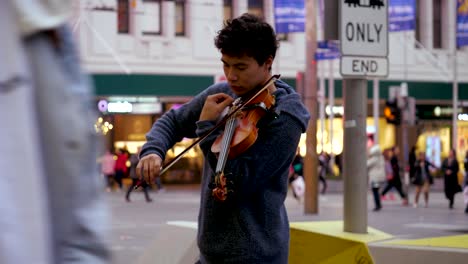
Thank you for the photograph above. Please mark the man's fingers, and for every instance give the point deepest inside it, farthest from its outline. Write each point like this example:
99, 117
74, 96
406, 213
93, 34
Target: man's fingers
138, 170
223, 99
145, 170
227, 102
149, 167
152, 171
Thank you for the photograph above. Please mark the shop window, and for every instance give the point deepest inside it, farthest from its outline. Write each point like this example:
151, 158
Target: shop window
123, 21
227, 9
151, 24
255, 7
437, 21
180, 17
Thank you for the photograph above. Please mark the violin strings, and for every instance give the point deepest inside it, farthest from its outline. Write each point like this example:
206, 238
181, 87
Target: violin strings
225, 144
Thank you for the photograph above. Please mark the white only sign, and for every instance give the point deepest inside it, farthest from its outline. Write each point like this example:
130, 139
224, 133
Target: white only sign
364, 27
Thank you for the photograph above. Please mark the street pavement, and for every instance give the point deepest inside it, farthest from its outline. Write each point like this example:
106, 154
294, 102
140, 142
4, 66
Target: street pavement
135, 225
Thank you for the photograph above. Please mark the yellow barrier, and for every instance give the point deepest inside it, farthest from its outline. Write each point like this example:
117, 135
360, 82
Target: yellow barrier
325, 242
460, 241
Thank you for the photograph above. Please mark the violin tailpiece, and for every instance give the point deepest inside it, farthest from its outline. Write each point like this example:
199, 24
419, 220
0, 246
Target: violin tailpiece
221, 187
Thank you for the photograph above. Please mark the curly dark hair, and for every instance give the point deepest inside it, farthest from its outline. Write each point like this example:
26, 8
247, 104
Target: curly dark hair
247, 35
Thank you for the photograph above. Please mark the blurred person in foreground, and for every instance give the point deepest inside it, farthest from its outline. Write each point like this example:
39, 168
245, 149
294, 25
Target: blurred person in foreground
53, 210
375, 169
251, 225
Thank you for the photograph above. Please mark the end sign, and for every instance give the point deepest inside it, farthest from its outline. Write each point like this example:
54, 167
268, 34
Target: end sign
364, 37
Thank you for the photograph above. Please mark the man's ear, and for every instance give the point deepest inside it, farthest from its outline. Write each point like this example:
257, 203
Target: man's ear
269, 62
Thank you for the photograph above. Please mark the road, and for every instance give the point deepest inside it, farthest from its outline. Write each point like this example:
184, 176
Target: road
135, 225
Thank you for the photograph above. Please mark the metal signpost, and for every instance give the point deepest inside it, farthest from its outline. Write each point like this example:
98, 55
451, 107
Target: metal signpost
363, 31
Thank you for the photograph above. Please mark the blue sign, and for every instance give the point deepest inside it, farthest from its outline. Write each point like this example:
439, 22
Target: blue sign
328, 44
289, 16
462, 23
327, 50
326, 55
401, 15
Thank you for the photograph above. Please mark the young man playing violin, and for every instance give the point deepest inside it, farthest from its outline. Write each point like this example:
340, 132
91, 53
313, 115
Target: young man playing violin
251, 224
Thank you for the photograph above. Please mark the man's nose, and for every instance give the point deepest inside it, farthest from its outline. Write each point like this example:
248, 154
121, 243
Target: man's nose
231, 75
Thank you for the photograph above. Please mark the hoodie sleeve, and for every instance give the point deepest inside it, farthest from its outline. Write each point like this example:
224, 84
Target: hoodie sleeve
176, 124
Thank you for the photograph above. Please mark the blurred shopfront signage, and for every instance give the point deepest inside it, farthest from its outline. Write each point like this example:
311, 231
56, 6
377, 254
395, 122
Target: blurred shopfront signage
462, 23
131, 105
289, 16
119, 107
401, 15
438, 112
338, 110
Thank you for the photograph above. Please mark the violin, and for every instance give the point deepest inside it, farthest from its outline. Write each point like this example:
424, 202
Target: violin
239, 134
240, 124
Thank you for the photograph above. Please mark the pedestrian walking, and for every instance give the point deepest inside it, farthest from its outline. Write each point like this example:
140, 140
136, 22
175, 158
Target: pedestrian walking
450, 169
324, 168
387, 153
296, 178
465, 194
135, 180
121, 167
53, 209
465, 189
247, 223
394, 180
412, 162
375, 169
422, 179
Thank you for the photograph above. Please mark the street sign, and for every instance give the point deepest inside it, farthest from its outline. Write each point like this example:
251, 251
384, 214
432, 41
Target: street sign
364, 27
364, 66
364, 38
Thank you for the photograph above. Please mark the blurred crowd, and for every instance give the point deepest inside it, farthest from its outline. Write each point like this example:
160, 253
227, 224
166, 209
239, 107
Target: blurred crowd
386, 171
386, 175
119, 168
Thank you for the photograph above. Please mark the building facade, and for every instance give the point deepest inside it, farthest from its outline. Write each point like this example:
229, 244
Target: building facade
163, 51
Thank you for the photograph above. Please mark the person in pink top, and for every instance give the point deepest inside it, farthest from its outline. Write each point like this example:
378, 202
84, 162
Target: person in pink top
108, 168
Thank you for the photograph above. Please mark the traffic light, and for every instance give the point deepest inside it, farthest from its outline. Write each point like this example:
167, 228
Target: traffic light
392, 113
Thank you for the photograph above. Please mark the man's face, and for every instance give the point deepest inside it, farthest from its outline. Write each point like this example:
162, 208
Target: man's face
244, 74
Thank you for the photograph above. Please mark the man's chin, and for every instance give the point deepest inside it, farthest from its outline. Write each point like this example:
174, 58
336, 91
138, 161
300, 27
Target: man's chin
239, 91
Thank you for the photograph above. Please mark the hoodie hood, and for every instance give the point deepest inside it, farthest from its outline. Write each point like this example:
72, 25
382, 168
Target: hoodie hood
289, 101
375, 150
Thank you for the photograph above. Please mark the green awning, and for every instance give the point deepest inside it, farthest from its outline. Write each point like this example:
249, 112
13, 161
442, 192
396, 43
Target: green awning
190, 85
150, 85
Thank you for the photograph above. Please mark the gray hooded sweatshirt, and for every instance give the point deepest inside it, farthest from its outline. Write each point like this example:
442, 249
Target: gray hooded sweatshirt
252, 225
